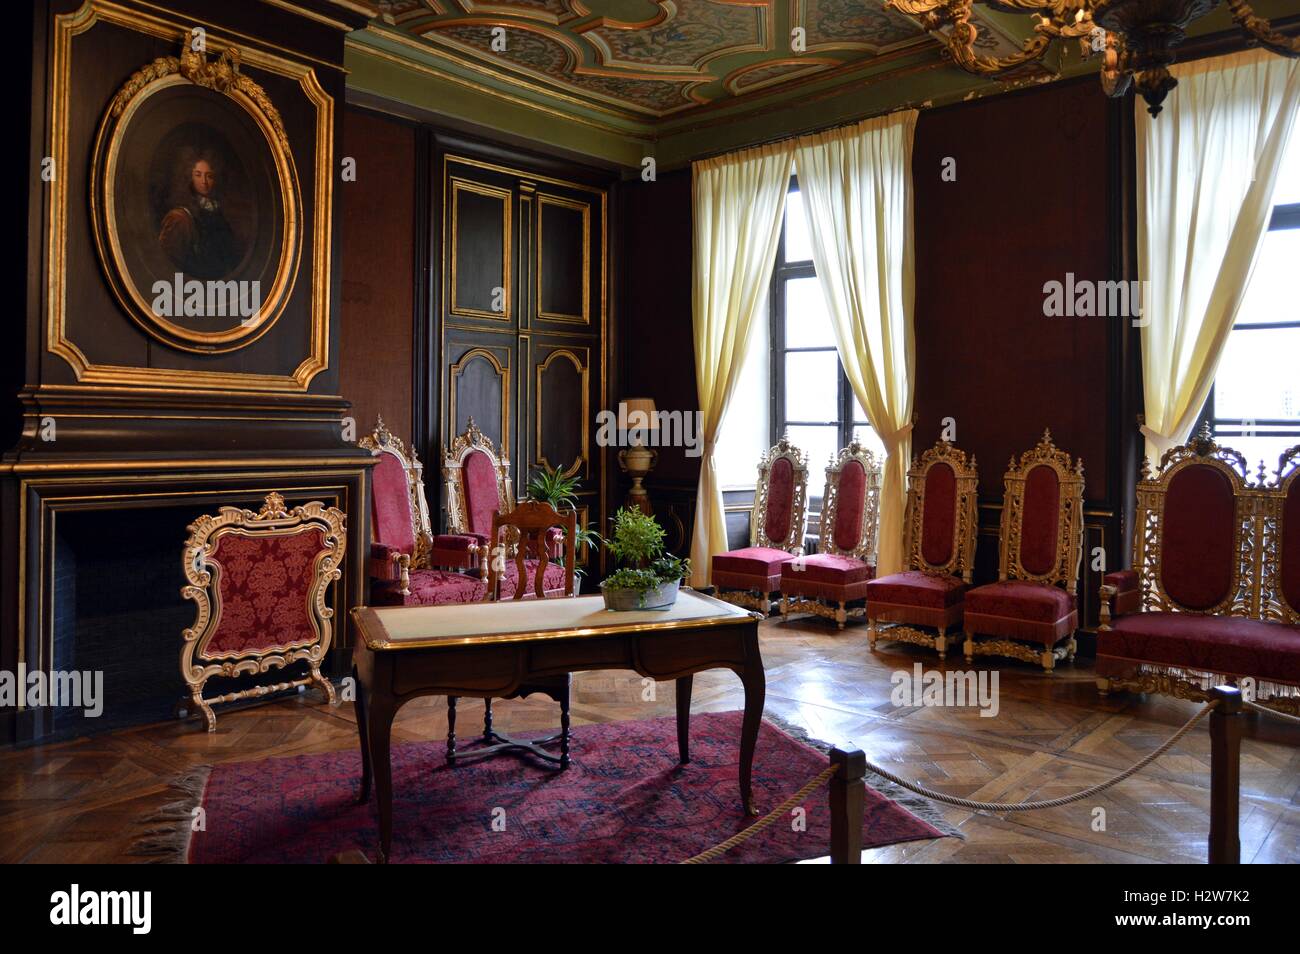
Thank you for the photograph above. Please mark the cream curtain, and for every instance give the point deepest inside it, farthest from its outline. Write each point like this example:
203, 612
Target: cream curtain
1206, 171
856, 184
738, 202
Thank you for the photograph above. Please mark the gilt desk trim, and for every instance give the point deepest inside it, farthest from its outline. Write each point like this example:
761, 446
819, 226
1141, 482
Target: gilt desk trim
488, 650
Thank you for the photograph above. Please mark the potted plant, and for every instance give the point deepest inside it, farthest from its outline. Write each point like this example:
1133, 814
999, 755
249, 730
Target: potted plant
648, 577
551, 485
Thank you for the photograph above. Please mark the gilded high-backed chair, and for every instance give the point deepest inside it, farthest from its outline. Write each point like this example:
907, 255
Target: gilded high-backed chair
530, 526
751, 576
940, 524
478, 486
259, 582
1213, 597
827, 582
1031, 611
402, 544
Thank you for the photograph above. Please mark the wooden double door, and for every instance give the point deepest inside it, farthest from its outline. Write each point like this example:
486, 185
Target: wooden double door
522, 307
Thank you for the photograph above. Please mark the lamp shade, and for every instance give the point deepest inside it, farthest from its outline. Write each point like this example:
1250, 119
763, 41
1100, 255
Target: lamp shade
637, 413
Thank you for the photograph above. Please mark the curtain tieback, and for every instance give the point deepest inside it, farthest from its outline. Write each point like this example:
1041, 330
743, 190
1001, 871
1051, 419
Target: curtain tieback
892, 439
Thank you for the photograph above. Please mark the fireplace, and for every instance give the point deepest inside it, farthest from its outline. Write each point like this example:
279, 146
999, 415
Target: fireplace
103, 611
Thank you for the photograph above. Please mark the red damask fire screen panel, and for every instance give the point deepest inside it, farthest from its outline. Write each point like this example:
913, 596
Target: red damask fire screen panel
260, 582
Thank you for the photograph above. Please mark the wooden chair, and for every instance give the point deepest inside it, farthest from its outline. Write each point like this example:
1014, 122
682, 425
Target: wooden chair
402, 546
1031, 611
846, 551
940, 524
525, 536
259, 582
478, 486
751, 576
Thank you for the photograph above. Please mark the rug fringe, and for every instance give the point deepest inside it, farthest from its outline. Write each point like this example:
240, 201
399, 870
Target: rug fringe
167, 841
918, 805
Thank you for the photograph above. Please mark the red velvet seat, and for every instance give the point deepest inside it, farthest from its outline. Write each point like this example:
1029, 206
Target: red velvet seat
839, 573
751, 576
917, 588
1224, 645
940, 524
1032, 606
1022, 609
753, 568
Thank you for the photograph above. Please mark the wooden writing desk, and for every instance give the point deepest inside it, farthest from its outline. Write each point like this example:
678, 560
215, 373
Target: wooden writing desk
488, 649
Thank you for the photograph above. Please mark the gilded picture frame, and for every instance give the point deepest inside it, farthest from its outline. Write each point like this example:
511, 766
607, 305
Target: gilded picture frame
194, 188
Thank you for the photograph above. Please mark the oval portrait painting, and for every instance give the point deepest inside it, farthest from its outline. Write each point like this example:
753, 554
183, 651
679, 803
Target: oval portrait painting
196, 209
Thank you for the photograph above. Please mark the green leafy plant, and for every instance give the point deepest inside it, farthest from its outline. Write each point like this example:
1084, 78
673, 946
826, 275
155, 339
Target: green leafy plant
637, 541
551, 485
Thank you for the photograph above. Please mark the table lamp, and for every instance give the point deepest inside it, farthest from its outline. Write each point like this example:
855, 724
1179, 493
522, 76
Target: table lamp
639, 417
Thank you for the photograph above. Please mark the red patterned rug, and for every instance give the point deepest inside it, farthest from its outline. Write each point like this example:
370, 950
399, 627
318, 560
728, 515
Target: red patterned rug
625, 799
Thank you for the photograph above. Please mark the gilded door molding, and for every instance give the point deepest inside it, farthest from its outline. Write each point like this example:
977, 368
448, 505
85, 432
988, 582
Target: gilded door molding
457, 368
583, 463
584, 209
459, 185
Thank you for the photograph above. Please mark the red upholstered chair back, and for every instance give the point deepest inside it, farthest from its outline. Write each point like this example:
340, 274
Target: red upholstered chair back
941, 518
850, 504
1191, 526
1042, 517
477, 482
1285, 588
780, 500
399, 513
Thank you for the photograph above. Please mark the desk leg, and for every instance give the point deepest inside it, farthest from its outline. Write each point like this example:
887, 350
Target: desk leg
359, 704
380, 719
755, 683
684, 718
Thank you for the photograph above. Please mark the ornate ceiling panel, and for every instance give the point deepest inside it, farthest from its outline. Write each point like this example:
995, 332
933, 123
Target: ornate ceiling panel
656, 58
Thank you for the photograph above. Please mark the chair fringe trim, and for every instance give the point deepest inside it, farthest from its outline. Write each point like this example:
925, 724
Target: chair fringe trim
167, 840
919, 806
1204, 679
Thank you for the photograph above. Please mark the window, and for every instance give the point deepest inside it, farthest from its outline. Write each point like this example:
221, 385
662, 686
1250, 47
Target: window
812, 399
797, 386
1254, 405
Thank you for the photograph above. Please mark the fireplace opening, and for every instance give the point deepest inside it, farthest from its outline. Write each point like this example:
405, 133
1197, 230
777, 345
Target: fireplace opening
118, 615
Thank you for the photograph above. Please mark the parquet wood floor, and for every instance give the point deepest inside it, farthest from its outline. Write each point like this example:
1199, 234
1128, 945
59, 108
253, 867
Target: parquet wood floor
78, 801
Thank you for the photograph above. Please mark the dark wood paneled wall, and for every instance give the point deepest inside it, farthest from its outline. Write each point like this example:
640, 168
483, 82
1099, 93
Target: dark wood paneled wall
377, 351
657, 350
521, 310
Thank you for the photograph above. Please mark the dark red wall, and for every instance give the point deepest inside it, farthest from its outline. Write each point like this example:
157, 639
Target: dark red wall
375, 355
1029, 204
657, 346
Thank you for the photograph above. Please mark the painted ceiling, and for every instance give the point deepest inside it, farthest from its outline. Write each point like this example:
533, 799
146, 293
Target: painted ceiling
652, 59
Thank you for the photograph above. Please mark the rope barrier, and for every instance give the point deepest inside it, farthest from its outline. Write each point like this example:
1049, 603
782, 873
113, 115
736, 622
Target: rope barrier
1053, 802
1273, 712
765, 822
770, 818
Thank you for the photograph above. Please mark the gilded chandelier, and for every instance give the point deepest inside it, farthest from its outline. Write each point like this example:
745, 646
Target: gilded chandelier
1137, 38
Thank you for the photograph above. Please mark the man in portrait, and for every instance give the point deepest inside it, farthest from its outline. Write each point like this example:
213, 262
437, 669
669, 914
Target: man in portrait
195, 233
